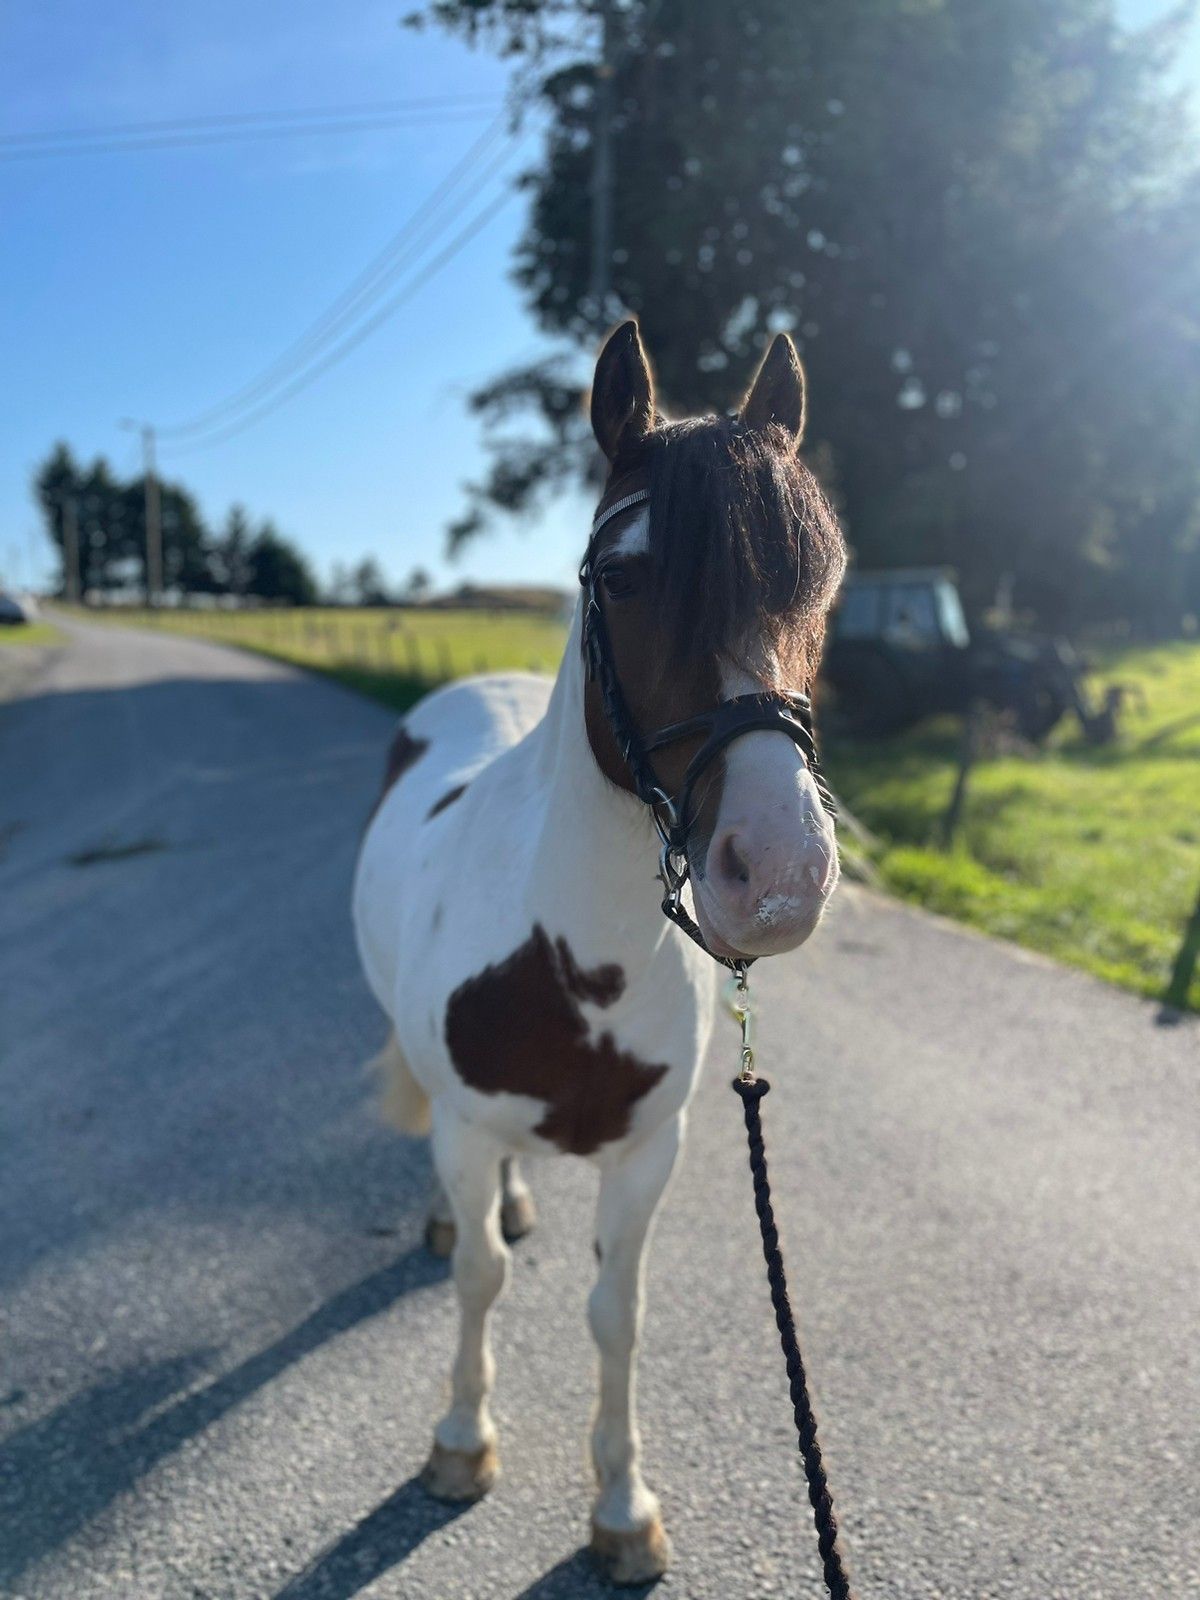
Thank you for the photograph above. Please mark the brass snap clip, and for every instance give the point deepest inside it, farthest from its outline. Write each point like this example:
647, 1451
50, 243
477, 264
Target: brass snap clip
737, 1000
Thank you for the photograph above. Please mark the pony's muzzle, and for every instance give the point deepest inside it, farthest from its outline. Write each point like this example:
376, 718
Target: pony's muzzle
762, 891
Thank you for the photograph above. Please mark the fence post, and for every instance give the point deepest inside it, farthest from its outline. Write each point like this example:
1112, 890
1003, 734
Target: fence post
1185, 963
968, 754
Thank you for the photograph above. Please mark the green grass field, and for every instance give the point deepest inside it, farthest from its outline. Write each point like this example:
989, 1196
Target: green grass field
1088, 855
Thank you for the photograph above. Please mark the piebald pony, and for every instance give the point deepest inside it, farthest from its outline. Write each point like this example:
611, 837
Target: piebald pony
506, 906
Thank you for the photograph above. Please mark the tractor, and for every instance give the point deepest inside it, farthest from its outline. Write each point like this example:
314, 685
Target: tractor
900, 650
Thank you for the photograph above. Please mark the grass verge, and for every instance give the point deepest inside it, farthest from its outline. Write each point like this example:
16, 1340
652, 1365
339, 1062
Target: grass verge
1088, 855
27, 633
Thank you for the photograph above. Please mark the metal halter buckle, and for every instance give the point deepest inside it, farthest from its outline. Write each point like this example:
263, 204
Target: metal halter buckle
673, 876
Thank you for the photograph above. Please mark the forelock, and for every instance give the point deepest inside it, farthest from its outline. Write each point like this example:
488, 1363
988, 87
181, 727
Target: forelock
744, 547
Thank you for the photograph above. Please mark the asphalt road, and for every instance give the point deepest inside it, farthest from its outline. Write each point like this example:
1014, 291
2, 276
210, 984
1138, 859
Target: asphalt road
223, 1348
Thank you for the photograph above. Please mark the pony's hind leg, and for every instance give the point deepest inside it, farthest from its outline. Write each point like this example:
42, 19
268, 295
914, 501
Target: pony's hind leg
517, 1211
463, 1464
439, 1223
627, 1531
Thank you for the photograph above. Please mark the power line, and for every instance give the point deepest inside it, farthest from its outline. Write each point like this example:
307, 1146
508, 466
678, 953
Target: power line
419, 230
235, 118
364, 330
236, 135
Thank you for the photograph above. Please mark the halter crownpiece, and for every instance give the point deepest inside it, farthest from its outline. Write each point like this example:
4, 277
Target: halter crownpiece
771, 710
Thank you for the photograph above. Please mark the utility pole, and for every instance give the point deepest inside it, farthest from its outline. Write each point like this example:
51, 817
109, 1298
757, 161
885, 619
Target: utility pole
604, 105
70, 525
154, 550
154, 561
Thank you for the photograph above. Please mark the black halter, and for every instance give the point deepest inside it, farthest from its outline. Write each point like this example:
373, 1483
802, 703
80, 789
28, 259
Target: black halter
774, 711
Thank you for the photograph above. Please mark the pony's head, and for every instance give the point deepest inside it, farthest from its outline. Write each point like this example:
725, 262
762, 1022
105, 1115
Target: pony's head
718, 585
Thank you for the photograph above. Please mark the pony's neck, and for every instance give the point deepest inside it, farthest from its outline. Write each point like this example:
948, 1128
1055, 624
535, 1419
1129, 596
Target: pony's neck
598, 847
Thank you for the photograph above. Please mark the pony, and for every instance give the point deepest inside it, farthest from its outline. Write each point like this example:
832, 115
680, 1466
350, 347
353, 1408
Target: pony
504, 898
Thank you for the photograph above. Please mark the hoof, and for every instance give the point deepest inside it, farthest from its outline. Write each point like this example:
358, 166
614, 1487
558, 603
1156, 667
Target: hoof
637, 1556
439, 1239
517, 1217
459, 1475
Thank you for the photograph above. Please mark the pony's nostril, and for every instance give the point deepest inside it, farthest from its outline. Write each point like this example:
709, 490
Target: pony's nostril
732, 864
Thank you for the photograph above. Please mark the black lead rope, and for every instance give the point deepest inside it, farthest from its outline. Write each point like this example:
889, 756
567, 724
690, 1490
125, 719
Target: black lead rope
752, 1091
790, 714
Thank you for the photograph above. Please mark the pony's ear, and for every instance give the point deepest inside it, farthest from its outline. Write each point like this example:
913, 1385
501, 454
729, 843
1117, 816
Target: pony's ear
777, 394
622, 391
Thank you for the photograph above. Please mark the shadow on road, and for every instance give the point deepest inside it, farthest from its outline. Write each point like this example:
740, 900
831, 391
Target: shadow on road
373, 1546
60, 1472
577, 1578
402, 1522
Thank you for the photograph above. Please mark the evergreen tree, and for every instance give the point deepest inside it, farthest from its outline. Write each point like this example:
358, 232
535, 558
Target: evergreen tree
231, 556
58, 481
370, 585
278, 571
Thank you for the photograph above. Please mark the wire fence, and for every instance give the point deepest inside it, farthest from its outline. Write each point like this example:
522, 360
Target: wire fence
424, 647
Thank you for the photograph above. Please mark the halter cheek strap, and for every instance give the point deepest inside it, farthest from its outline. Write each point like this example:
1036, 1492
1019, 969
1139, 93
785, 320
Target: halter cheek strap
772, 711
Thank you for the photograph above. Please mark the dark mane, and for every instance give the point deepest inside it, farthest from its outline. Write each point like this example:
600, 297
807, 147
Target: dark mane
743, 543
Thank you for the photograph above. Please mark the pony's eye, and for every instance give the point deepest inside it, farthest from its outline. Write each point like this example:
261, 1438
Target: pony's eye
618, 584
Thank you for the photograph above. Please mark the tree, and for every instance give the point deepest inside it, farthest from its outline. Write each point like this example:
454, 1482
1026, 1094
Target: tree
57, 484
100, 526
187, 547
369, 584
231, 555
278, 571
417, 586
340, 590
110, 518
978, 220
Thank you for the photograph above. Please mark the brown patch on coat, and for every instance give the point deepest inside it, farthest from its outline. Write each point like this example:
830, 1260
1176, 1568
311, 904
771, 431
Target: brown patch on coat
447, 799
517, 1028
403, 752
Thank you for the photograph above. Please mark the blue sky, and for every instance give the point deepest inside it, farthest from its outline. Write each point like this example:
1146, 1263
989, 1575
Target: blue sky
151, 284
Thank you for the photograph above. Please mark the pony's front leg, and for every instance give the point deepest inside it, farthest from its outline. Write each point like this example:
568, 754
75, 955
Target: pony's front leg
627, 1532
464, 1464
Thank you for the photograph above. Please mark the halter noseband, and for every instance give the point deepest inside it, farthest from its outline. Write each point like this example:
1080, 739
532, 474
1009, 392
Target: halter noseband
773, 711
